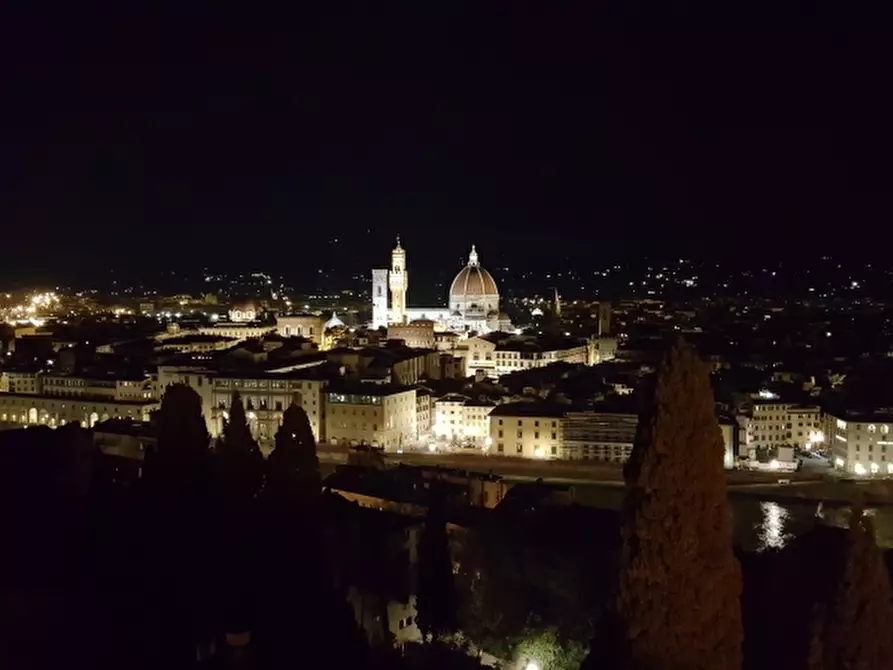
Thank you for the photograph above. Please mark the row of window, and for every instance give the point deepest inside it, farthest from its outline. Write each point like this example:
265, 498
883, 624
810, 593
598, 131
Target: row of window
519, 449
536, 423
536, 434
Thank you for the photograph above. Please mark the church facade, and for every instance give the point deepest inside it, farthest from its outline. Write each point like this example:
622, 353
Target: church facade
472, 302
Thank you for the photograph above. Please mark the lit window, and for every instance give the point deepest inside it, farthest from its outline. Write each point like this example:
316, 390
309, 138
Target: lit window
872, 428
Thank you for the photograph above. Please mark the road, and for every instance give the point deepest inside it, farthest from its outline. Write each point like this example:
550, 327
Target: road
559, 472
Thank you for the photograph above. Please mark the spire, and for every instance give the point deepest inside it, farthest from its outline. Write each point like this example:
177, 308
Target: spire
398, 247
557, 303
473, 256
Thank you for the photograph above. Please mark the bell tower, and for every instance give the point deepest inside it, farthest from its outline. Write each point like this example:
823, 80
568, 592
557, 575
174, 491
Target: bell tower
398, 281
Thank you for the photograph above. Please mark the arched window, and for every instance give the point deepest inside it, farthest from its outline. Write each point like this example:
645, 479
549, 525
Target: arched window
872, 428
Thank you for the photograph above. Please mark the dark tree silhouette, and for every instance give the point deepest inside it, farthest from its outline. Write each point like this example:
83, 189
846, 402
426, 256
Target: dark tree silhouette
179, 541
852, 631
304, 620
293, 466
436, 598
240, 463
181, 462
240, 467
680, 583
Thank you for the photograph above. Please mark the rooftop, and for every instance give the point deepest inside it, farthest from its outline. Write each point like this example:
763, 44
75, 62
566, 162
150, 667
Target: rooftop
349, 387
532, 409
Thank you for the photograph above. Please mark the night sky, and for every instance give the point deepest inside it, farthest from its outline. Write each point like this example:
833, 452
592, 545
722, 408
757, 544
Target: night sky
250, 140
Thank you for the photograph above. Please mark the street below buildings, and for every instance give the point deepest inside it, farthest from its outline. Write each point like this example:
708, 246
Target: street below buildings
559, 472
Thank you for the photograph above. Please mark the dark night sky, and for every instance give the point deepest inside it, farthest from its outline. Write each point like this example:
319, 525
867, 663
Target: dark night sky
251, 139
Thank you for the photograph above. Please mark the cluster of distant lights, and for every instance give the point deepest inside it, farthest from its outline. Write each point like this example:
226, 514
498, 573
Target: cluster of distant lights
33, 309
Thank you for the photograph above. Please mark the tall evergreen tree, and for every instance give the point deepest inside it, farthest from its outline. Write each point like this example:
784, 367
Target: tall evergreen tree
180, 461
304, 620
179, 543
680, 583
852, 631
293, 466
436, 598
240, 468
240, 462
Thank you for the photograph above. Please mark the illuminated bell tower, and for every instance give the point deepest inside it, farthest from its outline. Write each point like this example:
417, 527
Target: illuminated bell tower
398, 282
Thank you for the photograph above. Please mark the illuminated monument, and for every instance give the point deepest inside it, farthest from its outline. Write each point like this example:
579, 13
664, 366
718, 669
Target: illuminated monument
472, 302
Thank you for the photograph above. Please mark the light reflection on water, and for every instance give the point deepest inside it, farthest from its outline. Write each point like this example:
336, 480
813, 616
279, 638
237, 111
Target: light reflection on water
761, 523
771, 530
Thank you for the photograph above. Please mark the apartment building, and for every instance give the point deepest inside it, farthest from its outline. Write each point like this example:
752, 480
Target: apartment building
424, 413
526, 430
376, 414
862, 442
461, 420
776, 423
523, 355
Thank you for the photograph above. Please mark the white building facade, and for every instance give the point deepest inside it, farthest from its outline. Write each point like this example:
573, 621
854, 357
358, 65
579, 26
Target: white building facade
472, 301
862, 444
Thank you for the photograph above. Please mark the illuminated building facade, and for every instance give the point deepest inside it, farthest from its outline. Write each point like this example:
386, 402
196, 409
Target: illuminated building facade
377, 415
862, 443
525, 430
472, 301
776, 424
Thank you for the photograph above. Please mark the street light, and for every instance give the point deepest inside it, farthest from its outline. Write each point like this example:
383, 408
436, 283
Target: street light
532, 665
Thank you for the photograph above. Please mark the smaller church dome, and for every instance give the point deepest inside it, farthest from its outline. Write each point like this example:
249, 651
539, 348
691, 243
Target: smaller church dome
334, 322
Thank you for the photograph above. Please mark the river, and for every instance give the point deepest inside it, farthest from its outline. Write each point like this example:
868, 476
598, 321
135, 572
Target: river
760, 522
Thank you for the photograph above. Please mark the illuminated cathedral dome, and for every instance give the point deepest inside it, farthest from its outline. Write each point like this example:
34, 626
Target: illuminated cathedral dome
474, 298
473, 286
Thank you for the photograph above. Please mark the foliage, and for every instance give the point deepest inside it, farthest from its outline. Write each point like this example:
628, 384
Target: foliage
852, 631
300, 607
179, 464
680, 583
293, 466
548, 649
240, 462
520, 578
437, 599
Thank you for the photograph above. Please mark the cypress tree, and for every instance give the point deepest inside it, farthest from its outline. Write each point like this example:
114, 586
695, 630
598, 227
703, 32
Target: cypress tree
293, 466
239, 459
680, 583
179, 542
852, 633
240, 469
304, 620
179, 464
436, 599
